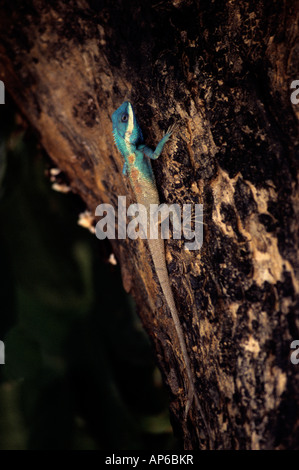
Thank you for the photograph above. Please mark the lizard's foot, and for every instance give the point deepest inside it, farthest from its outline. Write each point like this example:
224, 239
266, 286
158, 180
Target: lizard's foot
170, 130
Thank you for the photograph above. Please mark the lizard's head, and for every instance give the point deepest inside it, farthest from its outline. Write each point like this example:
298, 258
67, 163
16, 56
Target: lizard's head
125, 125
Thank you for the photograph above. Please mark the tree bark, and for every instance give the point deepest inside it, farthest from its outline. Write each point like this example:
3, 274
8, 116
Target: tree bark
222, 71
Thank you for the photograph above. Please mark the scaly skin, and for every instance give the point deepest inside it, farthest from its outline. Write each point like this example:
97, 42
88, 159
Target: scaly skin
129, 141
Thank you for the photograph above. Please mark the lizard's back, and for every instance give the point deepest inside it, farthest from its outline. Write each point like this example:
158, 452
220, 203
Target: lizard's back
146, 193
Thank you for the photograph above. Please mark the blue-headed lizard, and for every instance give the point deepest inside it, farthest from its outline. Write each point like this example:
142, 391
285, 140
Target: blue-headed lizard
137, 166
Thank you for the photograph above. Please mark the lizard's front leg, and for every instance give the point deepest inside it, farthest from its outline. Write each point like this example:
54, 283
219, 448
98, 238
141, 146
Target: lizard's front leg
154, 154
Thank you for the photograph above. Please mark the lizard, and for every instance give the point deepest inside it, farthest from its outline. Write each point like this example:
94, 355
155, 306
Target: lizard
137, 167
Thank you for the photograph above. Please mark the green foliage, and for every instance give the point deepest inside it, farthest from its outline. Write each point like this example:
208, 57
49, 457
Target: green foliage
79, 372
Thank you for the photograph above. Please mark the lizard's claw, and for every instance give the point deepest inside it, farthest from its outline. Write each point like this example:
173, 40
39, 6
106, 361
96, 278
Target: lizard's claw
171, 130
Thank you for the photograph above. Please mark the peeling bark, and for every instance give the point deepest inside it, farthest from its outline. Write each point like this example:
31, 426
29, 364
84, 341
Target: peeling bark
222, 71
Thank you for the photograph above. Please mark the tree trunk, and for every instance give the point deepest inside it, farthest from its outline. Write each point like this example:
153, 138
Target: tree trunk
222, 71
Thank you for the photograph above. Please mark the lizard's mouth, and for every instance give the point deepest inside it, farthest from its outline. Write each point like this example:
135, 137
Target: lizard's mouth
124, 137
118, 138
117, 134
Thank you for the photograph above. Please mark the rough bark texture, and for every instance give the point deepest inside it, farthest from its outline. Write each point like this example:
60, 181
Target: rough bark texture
222, 71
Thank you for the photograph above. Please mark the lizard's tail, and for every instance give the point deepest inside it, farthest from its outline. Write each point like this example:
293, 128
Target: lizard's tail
157, 250
158, 256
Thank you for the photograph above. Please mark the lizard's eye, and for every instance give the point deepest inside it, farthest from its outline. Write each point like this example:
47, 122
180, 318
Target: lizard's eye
124, 118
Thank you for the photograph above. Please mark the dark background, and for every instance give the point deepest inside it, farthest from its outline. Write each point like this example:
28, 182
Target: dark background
79, 371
